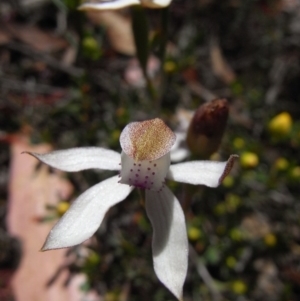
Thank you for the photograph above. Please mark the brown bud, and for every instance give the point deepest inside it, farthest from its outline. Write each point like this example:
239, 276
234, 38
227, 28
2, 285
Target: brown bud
207, 128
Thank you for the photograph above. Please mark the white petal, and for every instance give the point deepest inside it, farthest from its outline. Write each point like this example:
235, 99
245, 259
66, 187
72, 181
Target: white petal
180, 138
85, 215
104, 5
80, 158
179, 154
155, 3
169, 245
207, 173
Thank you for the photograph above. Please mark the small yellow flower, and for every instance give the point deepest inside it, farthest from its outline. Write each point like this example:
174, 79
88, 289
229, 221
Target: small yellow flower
194, 233
270, 240
230, 262
281, 164
90, 43
295, 173
232, 202
239, 143
111, 296
249, 160
91, 48
228, 182
169, 66
62, 207
281, 124
92, 262
239, 287
236, 234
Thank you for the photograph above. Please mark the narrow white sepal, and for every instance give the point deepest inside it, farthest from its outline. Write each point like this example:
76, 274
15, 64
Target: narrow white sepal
86, 213
207, 173
106, 5
169, 244
81, 158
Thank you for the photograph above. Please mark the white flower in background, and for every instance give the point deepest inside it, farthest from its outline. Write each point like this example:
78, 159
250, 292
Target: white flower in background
179, 151
117, 4
145, 163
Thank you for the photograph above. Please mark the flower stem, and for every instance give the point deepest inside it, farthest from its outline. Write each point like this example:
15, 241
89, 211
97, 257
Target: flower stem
163, 35
140, 30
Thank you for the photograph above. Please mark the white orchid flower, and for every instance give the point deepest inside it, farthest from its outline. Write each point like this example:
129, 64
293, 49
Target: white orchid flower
117, 4
145, 164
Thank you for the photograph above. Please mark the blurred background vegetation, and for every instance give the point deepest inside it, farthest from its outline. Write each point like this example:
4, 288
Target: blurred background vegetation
71, 79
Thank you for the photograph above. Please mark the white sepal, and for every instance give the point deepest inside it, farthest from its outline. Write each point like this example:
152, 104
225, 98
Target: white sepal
207, 173
179, 152
81, 158
155, 3
106, 5
86, 213
169, 243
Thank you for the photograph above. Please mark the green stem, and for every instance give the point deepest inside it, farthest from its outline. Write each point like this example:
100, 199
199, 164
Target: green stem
140, 30
163, 34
